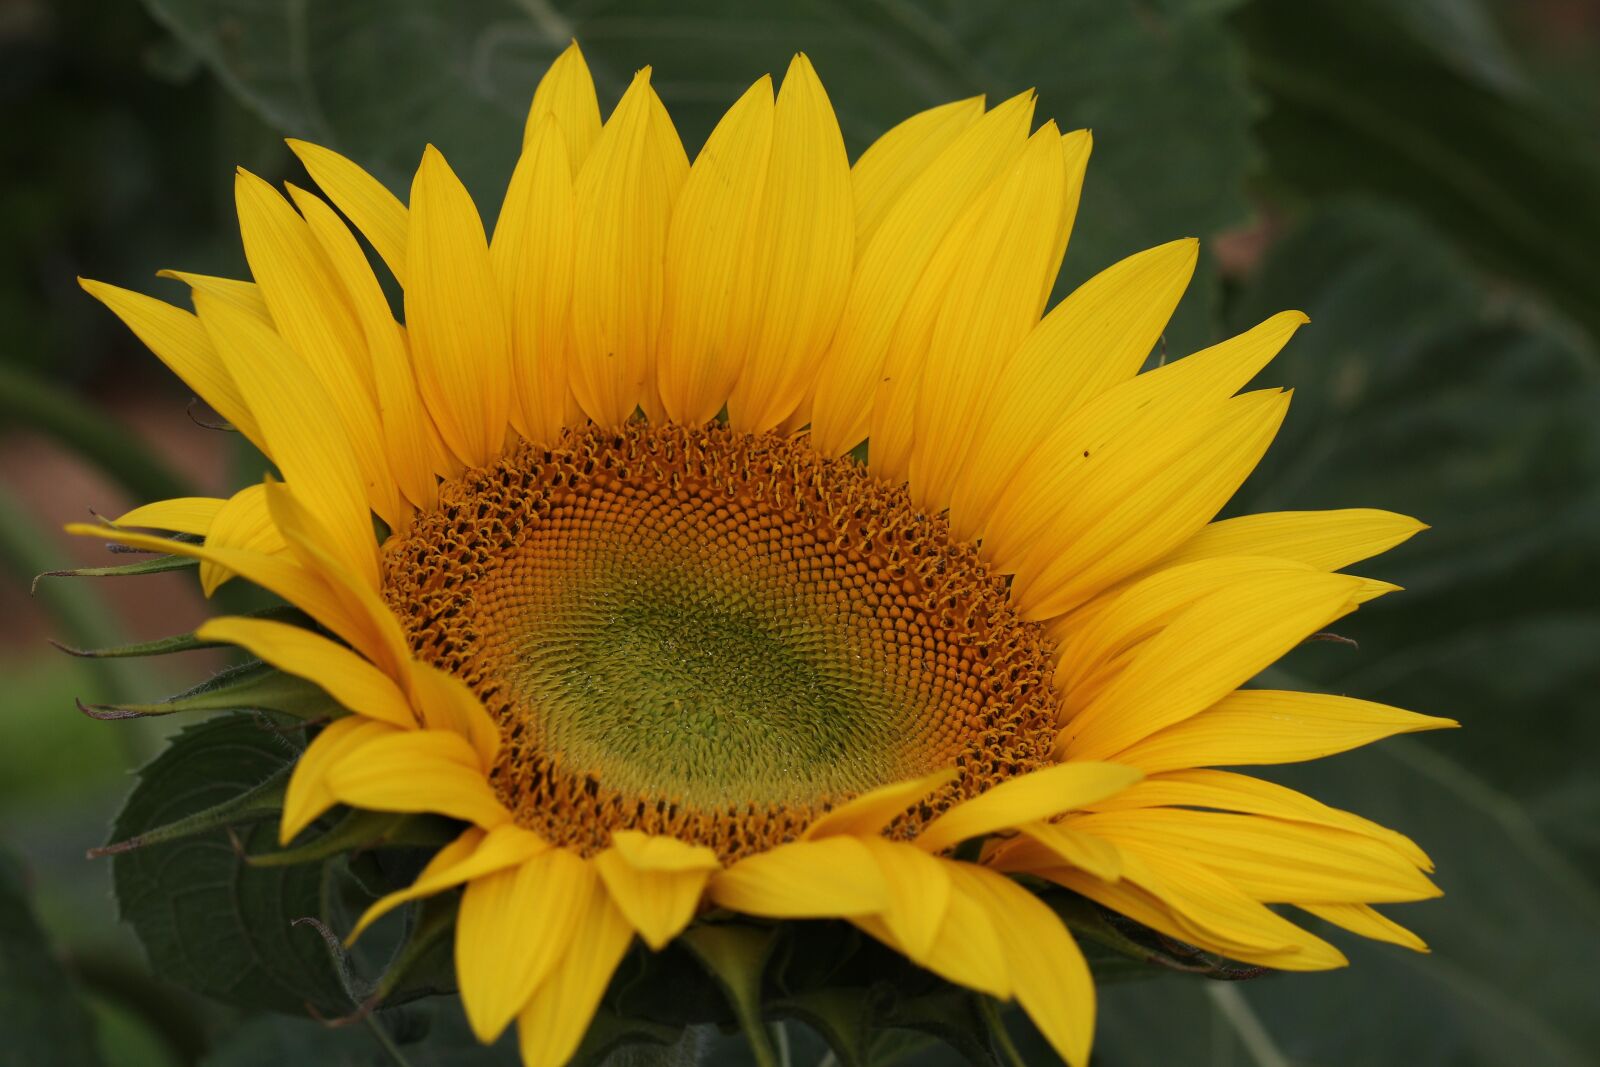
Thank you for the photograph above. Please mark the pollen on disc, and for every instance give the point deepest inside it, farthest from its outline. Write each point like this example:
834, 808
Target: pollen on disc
715, 635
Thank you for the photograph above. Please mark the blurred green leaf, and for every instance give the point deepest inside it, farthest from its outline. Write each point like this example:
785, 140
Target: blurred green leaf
208, 921
431, 1035
1161, 84
1421, 390
1510, 978
1415, 102
1418, 391
42, 1014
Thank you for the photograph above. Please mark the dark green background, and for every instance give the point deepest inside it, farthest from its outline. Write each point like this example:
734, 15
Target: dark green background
1422, 178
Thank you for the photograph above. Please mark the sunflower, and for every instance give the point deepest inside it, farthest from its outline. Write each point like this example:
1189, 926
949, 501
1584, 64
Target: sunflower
600, 565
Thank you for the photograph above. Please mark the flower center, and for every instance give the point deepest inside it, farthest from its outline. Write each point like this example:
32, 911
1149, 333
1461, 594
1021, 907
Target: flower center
715, 635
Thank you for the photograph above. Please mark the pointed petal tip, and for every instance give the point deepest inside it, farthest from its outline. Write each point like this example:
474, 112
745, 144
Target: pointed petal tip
802, 66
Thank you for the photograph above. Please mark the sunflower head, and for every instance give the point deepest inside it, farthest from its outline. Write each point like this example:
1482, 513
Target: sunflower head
757, 545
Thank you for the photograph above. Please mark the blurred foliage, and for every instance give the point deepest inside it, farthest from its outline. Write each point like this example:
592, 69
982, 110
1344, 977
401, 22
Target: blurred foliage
1422, 178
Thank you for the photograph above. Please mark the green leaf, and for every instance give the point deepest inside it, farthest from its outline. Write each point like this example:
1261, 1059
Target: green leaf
1395, 99
1420, 389
43, 1018
431, 1035
208, 921
1161, 85
1509, 980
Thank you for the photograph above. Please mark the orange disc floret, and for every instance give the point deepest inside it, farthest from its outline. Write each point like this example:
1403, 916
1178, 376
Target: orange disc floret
716, 635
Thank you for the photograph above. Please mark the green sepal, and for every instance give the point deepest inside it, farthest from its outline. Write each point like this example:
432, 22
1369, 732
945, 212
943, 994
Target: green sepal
842, 1016
252, 686
187, 642
428, 951
736, 956
259, 802
954, 1017
153, 565
360, 830
1130, 950
610, 1033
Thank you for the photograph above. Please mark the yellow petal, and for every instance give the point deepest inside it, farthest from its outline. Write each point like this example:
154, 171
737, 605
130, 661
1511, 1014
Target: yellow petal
514, 927
303, 431
454, 315
1150, 411
966, 950
1046, 844
625, 193
1140, 499
371, 628
1095, 639
985, 290
1030, 797
1327, 540
658, 901
308, 795
1271, 860
919, 894
349, 679
311, 314
407, 430
246, 296
446, 703
419, 771
830, 878
532, 258
1185, 900
1367, 921
551, 1026
184, 514
375, 211
652, 852
707, 317
804, 250
1076, 145
1264, 726
870, 812
892, 162
1094, 339
890, 267
474, 854
1211, 648
182, 343
1226, 791
243, 522
1048, 972
566, 95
